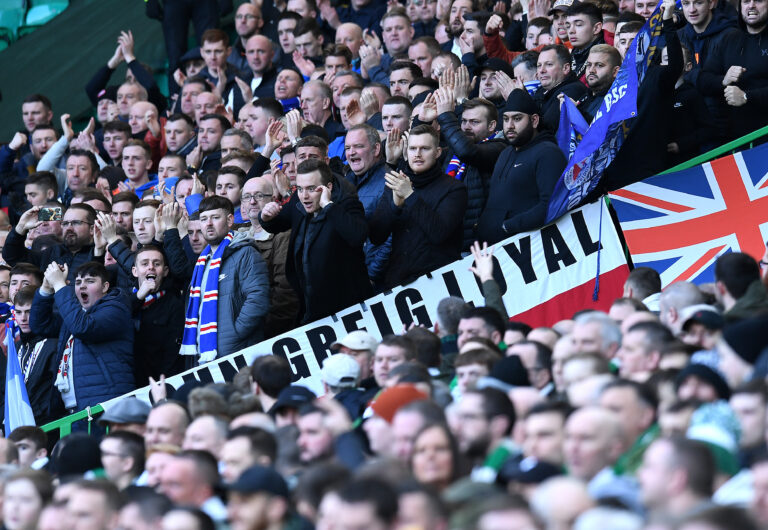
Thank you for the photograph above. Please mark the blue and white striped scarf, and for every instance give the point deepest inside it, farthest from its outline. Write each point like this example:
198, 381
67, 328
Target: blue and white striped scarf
205, 320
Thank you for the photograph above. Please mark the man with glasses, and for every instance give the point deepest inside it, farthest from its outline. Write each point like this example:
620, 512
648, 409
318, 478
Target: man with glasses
283, 303
77, 233
248, 22
326, 264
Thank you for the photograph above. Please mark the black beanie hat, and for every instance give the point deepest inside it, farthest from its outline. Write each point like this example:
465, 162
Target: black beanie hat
520, 101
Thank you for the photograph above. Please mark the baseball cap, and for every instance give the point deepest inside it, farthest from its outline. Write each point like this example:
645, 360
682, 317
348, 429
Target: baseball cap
528, 470
704, 314
129, 410
357, 340
258, 479
560, 5
340, 370
293, 396
497, 65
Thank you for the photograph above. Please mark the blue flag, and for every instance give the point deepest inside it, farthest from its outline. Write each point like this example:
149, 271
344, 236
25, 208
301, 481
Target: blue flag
608, 129
572, 127
18, 411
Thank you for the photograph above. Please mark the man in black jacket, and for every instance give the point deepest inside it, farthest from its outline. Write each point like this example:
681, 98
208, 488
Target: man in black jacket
736, 71
525, 173
77, 248
328, 230
472, 152
158, 313
554, 72
423, 213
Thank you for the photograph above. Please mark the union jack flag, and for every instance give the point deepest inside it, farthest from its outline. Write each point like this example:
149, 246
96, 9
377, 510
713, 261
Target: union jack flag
679, 223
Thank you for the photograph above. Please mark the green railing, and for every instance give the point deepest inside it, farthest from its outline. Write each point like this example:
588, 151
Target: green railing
64, 425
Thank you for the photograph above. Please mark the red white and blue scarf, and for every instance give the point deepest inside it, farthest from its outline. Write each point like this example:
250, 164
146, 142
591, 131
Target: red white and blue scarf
455, 166
206, 319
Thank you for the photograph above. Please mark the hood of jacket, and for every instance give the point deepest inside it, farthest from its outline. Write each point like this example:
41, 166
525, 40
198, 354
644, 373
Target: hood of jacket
541, 136
721, 20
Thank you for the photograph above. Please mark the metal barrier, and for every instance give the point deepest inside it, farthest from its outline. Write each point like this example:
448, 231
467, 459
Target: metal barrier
64, 425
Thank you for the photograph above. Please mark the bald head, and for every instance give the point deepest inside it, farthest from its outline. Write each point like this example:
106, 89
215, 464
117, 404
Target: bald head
259, 53
560, 500
166, 423
137, 117
594, 439
257, 192
673, 299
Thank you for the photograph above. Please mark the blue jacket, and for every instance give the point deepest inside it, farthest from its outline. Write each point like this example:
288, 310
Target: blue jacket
102, 355
370, 187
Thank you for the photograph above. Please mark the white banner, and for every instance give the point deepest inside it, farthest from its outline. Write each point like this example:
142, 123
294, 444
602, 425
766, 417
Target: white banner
557, 264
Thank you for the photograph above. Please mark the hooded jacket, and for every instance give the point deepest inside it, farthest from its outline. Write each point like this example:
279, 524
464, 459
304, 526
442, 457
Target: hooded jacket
325, 262
739, 48
427, 230
520, 188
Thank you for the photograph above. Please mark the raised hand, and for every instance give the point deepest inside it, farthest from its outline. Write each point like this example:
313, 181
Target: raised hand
274, 137
108, 227
294, 125
125, 40
305, 66
355, 115
483, 266
506, 83
28, 220
400, 185
444, 100
56, 275
494, 25
369, 102
66, 127
463, 84
245, 89
195, 156
153, 124
19, 139
270, 211
325, 196
370, 56
394, 147
116, 58
428, 111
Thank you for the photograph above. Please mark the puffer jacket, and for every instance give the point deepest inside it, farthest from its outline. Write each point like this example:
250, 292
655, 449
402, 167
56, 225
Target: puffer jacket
102, 352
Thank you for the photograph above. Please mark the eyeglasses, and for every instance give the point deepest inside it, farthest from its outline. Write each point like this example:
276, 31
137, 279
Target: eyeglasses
255, 196
308, 189
74, 224
247, 17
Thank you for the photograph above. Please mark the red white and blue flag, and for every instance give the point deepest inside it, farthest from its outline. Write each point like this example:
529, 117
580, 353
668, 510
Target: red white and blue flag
679, 223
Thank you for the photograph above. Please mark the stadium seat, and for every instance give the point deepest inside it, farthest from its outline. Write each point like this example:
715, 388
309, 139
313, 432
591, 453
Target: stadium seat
42, 11
11, 18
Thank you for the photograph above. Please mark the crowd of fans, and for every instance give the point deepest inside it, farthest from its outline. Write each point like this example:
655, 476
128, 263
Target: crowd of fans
326, 154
